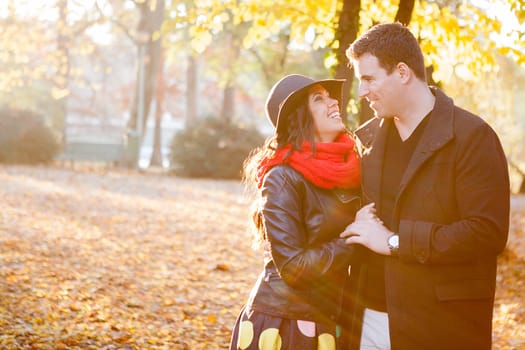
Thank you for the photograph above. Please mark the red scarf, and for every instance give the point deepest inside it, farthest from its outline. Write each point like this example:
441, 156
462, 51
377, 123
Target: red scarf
334, 164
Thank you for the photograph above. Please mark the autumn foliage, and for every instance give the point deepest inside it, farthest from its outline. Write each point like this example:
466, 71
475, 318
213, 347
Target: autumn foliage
114, 259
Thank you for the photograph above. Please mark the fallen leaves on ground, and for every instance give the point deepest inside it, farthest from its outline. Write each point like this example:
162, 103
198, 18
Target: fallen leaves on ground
117, 259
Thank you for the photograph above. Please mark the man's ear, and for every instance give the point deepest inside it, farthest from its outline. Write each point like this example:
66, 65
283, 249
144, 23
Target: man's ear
404, 71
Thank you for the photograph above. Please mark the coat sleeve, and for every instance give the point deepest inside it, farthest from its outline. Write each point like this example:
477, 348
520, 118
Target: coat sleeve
297, 263
482, 196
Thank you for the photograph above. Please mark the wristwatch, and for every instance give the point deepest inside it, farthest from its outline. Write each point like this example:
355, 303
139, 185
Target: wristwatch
393, 244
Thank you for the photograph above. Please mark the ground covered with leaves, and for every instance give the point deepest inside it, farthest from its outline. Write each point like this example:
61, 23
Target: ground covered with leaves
112, 259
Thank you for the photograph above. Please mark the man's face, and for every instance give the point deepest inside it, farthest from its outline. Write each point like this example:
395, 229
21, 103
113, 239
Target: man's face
381, 90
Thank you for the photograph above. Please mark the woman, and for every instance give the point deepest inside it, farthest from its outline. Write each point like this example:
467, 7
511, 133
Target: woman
307, 178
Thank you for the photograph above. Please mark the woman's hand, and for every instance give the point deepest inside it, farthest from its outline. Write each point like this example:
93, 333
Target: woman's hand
368, 212
368, 230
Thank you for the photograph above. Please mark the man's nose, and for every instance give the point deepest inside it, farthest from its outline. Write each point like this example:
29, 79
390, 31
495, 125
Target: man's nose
362, 90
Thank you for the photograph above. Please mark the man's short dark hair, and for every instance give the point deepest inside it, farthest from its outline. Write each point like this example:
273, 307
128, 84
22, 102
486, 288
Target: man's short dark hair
391, 43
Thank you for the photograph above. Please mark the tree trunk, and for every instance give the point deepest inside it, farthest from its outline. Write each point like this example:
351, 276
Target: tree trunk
522, 185
63, 66
515, 166
228, 103
156, 155
403, 15
233, 51
191, 90
346, 33
404, 11
365, 112
151, 18
430, 77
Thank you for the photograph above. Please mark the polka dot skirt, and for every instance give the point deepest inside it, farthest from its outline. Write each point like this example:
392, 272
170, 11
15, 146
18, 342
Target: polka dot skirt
259, 331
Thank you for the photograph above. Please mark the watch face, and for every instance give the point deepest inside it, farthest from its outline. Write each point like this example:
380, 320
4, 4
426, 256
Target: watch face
394, 241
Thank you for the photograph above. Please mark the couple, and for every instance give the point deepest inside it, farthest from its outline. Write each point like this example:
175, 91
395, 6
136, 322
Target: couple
422, 250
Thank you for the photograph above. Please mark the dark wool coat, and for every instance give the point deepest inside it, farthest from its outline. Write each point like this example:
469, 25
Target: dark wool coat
452, 216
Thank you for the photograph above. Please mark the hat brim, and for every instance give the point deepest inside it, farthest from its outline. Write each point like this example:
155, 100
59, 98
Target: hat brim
292, 101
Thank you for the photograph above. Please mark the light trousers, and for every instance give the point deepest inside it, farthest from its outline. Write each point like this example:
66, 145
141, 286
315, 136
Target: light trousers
375, 334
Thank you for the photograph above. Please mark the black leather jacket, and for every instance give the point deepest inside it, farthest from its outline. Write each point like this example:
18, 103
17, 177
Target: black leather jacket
306, 263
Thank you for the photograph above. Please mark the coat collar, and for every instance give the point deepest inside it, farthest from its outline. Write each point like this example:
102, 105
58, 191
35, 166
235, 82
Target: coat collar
438, 132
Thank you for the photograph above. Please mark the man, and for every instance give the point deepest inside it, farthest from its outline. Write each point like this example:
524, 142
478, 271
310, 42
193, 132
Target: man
437, 177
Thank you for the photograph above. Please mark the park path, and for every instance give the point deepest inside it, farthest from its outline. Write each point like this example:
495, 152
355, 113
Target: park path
113, 259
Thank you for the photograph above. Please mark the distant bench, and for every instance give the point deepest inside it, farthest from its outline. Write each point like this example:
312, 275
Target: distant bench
95, 152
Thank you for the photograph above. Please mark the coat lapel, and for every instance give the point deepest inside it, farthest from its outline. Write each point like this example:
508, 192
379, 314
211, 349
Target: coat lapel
372, 136
437, 133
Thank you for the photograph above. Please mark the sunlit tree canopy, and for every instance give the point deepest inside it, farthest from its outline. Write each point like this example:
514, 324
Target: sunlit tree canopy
459, 37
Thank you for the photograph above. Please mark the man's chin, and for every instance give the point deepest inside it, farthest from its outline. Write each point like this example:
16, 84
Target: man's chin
377, 114
380, 115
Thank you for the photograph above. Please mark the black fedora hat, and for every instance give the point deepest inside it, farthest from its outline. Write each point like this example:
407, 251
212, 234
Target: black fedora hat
285, 95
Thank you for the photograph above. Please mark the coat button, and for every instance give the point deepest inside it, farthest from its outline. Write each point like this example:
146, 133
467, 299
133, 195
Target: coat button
421, 256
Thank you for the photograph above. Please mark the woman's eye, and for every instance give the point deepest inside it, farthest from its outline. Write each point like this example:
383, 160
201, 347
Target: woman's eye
318, 97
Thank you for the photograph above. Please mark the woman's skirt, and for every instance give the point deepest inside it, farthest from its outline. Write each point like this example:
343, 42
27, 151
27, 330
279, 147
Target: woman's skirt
259, 331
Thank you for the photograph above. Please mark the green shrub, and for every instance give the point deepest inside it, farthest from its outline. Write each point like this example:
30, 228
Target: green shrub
26, 137
213, 148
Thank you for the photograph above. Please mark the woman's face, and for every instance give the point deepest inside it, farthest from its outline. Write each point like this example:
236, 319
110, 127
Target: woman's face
325, 111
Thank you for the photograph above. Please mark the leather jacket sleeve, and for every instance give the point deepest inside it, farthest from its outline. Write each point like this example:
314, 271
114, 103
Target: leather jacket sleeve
297, 260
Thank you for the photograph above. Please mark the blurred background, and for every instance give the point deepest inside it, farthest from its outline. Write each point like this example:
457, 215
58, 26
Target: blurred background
181, 85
